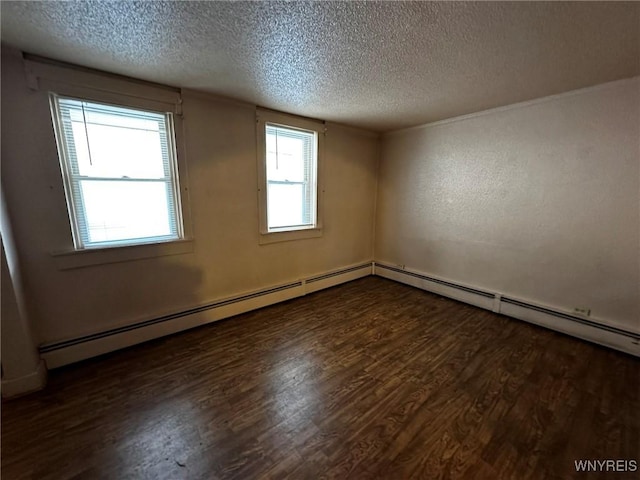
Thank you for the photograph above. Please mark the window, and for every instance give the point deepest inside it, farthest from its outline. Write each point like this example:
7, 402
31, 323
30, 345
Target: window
289, 176
120, 173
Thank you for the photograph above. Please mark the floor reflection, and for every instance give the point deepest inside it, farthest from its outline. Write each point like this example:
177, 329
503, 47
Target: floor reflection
296, 396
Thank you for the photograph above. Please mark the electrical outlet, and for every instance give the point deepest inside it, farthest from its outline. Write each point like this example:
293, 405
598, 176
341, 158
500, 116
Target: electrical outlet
582, 311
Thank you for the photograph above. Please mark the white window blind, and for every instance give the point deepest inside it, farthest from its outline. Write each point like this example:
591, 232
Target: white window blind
291, 173
120, 173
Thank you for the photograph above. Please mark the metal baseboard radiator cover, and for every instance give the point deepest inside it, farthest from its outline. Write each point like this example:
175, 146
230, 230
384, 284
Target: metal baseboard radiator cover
611, 336
165, 318
566, 316
297, 288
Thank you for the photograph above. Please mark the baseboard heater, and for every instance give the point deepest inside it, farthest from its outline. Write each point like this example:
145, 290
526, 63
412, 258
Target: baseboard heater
72, 350
79, 348
565, 316
56, 346
438, 281
598, 332
339, 272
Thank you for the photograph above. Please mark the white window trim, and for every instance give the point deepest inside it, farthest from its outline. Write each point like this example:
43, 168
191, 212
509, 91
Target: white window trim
75, 210
67, 260
264, 117
103, 89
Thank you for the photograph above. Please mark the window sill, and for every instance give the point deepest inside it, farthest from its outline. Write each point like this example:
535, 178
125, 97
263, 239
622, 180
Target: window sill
274, 237
99, 256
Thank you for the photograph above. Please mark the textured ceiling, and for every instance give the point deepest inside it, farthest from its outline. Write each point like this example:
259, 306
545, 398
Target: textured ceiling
377, 65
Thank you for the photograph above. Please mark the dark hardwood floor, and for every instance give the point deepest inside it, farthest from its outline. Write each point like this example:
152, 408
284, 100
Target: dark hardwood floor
371, 379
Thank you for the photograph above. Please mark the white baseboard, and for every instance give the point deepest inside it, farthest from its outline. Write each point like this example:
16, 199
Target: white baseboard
74, 350
593, 330
32, 382
320, 282
464, 293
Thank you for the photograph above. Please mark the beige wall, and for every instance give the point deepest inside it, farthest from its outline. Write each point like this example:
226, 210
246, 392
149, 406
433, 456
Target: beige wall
539, 201
220, 148
19, 353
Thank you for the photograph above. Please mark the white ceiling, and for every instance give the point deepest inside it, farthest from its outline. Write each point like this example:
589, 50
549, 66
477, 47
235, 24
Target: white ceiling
381, 66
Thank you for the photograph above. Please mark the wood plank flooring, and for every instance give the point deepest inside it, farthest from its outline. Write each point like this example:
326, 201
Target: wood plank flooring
371, 379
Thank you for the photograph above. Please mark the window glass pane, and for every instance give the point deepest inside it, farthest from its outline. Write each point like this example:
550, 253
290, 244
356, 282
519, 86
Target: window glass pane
117, 146
285, 205
285, 157
291, 176
125, 210
110, 142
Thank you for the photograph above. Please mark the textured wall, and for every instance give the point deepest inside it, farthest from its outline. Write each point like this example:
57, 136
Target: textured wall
220, 140
539, 200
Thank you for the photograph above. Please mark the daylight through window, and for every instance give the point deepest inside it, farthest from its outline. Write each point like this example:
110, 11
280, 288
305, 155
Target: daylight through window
120, 173
291, 172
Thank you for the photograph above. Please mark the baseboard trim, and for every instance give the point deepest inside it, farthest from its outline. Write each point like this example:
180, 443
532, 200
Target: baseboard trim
32, 382
80, 348
72, 350
586, 329
327, 280
464, 293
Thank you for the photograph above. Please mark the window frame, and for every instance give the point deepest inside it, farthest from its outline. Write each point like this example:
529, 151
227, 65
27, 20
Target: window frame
267, 117
76, 211
78, 82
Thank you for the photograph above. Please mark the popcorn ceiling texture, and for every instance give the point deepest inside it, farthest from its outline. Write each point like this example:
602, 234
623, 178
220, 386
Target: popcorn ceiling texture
381, 66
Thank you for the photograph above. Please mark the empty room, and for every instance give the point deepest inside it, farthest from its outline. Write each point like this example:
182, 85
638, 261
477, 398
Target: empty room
368, 240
